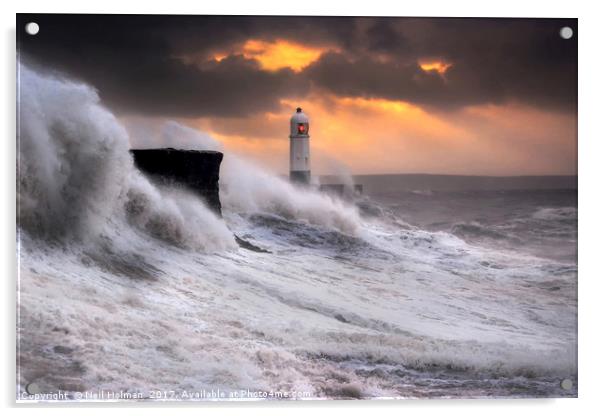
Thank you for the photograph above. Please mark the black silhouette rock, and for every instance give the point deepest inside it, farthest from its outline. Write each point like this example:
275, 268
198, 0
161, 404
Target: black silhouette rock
197, 170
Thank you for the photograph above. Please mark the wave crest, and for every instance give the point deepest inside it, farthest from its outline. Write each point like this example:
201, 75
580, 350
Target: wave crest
76, 178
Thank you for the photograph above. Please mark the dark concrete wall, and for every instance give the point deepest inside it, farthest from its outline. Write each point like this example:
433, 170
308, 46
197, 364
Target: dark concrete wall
302, 177
196, 170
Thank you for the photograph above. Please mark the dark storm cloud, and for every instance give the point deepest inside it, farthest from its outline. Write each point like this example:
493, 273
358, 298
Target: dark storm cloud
134, 61
368, 78
493, 61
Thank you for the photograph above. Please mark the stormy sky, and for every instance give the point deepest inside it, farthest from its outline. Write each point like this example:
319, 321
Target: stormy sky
473, 96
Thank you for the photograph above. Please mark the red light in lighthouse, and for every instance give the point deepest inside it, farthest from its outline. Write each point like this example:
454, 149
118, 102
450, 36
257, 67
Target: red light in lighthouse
301, 128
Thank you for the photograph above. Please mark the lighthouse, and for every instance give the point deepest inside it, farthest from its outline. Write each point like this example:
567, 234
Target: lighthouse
299, 137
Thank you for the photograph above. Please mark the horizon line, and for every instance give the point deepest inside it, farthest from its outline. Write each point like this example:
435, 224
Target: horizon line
456, 174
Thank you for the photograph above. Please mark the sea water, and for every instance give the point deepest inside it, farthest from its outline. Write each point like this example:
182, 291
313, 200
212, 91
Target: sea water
130, 290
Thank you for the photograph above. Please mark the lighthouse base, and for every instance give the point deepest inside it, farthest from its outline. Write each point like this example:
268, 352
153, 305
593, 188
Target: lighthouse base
300, 177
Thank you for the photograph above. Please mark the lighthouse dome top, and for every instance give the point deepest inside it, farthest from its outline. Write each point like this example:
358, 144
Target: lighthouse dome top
300, 116
299, 124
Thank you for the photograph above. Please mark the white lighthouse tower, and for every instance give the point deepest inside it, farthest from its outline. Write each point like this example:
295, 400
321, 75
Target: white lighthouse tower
299, 137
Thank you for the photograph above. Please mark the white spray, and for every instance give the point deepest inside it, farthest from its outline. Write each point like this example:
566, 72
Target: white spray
77, 180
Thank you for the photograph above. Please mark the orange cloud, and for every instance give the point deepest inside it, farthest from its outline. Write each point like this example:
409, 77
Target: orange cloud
281, 54
434, 65
220, 56
278, 54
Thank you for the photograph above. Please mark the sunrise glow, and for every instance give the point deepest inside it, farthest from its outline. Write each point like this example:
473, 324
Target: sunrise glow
376, 135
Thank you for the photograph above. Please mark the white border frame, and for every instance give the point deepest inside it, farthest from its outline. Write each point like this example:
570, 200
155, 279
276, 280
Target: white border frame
590, 197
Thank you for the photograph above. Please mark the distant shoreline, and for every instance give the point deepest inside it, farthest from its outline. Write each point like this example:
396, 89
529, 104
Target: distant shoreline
451, 174
438, 182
